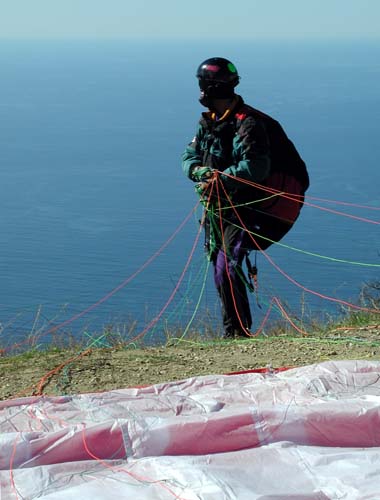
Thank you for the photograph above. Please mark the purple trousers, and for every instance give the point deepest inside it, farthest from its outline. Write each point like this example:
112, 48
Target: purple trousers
228, 257
230, 282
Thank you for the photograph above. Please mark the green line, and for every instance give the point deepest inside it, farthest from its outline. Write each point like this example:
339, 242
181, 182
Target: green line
198, 302
319, 340
306, 252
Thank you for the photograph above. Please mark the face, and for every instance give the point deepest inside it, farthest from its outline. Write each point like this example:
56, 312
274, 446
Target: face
211, 90
206, 94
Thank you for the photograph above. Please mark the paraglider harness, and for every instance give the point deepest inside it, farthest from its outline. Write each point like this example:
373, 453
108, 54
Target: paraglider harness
250, 279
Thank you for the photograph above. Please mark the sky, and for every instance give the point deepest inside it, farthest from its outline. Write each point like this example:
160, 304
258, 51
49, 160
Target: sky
273, 19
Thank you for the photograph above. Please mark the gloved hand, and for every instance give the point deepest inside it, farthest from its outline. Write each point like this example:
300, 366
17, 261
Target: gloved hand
201, 173
201, 187
206, 191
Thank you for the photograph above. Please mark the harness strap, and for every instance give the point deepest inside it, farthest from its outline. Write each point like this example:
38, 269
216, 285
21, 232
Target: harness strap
251, 273
252, 282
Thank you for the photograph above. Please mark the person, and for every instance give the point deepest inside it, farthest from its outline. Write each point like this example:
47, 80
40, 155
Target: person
251, 180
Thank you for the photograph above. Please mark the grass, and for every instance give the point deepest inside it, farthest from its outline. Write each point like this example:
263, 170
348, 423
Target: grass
204, 330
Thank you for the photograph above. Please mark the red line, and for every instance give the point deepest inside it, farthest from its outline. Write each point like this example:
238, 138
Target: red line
121, 469
171, 297
287, 317
292, 280
244, 327
295, 197
13, 485
119, 287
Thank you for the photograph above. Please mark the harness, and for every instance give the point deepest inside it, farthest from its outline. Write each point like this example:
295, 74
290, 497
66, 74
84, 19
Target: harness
210, 246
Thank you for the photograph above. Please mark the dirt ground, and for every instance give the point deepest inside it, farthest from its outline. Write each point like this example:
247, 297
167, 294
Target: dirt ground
96, 370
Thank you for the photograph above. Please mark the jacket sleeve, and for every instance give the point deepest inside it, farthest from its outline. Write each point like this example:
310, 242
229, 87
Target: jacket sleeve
251, 153
192, 156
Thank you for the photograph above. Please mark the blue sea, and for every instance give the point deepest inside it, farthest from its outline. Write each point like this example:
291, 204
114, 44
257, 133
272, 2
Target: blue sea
91, 186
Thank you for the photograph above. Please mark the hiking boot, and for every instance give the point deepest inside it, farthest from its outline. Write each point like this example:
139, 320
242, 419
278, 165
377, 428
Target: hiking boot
236, 334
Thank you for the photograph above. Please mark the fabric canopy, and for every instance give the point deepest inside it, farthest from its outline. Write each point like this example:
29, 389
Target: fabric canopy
306, 433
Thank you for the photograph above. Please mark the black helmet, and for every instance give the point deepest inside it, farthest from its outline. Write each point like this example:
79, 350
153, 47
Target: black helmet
217, 70
217, 79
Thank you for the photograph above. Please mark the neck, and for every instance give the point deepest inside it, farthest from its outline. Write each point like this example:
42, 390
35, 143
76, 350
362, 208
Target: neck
220, 106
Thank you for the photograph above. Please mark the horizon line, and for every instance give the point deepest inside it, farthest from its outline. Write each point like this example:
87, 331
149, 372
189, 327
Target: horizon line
194, 38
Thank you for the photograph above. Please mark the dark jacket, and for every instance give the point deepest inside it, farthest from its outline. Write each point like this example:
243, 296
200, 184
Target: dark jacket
250, 145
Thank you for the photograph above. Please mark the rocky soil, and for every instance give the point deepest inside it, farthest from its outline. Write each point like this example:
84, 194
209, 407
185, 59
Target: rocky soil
71, 372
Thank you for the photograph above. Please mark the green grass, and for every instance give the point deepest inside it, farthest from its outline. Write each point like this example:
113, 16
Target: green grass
202, 331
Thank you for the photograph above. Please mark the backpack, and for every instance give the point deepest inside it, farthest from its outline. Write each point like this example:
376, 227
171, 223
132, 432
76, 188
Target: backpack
288, 175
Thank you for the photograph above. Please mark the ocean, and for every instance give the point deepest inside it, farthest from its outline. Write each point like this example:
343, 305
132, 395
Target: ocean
92, 191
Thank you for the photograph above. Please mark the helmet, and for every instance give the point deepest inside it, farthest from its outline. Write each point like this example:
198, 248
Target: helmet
217, 79
217, 70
